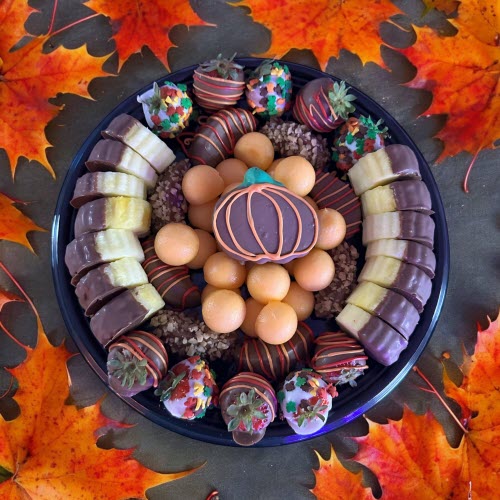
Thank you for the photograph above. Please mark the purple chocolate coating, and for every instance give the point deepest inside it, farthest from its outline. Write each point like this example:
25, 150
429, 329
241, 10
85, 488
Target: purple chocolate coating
403, 161
120, 315
105, 155
420, 256
417, 227
120, 127
414, 284
95, 289
85, 190
381, 342
91, 217
81, 256
412, 195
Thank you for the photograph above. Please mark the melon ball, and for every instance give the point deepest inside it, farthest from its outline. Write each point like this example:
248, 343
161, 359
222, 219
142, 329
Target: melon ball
176, 244
207, 248
301, 300
311, 202
267, 282
289, 267
222, 271
230, 187
331, 228
276, 323
297, 174
315, 271
201, 216
255, 150
253, 310
223, 311
210, 288
272, 169
202, 184
232, 171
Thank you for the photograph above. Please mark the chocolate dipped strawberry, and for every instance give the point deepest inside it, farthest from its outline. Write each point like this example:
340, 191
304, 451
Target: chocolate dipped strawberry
136, 362
305, 401
218, 83
248, 405
189, 389
323, 104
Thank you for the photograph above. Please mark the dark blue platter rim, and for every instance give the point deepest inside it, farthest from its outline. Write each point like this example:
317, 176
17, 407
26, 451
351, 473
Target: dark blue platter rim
352, 402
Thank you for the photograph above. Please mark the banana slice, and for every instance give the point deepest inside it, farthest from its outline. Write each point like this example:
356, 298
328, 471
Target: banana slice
394, 162
119, 212
109, 155
96, 185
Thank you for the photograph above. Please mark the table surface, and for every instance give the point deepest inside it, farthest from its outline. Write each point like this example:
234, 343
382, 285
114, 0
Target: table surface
269, 473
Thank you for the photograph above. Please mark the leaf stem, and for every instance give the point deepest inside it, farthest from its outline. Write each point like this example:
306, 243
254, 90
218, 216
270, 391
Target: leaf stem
11, 336
54, 9
466, 178
74, 24
11, 383
434, 391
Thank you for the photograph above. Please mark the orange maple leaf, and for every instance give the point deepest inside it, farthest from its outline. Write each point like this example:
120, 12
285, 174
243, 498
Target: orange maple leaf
50, 450
29, 78
136, 23
446, 6
323, 26
462, 72
14, 225
335, 482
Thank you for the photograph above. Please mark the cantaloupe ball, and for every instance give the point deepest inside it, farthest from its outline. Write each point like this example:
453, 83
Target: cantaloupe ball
289, 267
255, 150
222, 271
202, 184
230, 187
311, 202
267, 282
331, 228
176, 244
272, 169
210, 288
315, 271
276, 323
297, 174
253, 310
232, 170
207, 248
201, 216
223, 311
301, 300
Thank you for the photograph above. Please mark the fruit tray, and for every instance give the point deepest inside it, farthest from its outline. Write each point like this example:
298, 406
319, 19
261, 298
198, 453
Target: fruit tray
351, 402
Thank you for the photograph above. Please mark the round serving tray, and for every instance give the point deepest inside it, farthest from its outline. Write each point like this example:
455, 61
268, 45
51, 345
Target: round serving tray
352, 402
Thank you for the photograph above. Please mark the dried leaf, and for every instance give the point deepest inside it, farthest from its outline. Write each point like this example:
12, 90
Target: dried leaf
479, 399
50, 448
446, 6
462, 73
323, 26
14, 225
137, 23
6, 297
28, 78
335, 482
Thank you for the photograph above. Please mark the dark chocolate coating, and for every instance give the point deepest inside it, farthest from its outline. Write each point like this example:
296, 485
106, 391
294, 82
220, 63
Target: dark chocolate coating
173, 283
403, 161
95, 289
420, 256
216, 138
214, 93
120, 315
105, 155
85, 190
81, 256
330, 192
120, 127
414, 284
233, 217
412, 195
417, 227
313, 108
91, 217
274, 362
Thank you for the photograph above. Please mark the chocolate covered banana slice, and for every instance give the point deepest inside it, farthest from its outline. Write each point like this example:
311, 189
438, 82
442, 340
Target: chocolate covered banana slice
120, 212
96, 185
408, 280
394, 162
381, 342
134, 134
390, 306
409, 252
400, 195
103, 283
125, 312
92, 249
114, 156
412, 226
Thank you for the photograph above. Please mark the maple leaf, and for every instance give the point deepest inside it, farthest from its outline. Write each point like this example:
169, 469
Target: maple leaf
446, 6
136, 23
323, 26
462, 72
14, 225
50, 450
335, 482
29, 78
